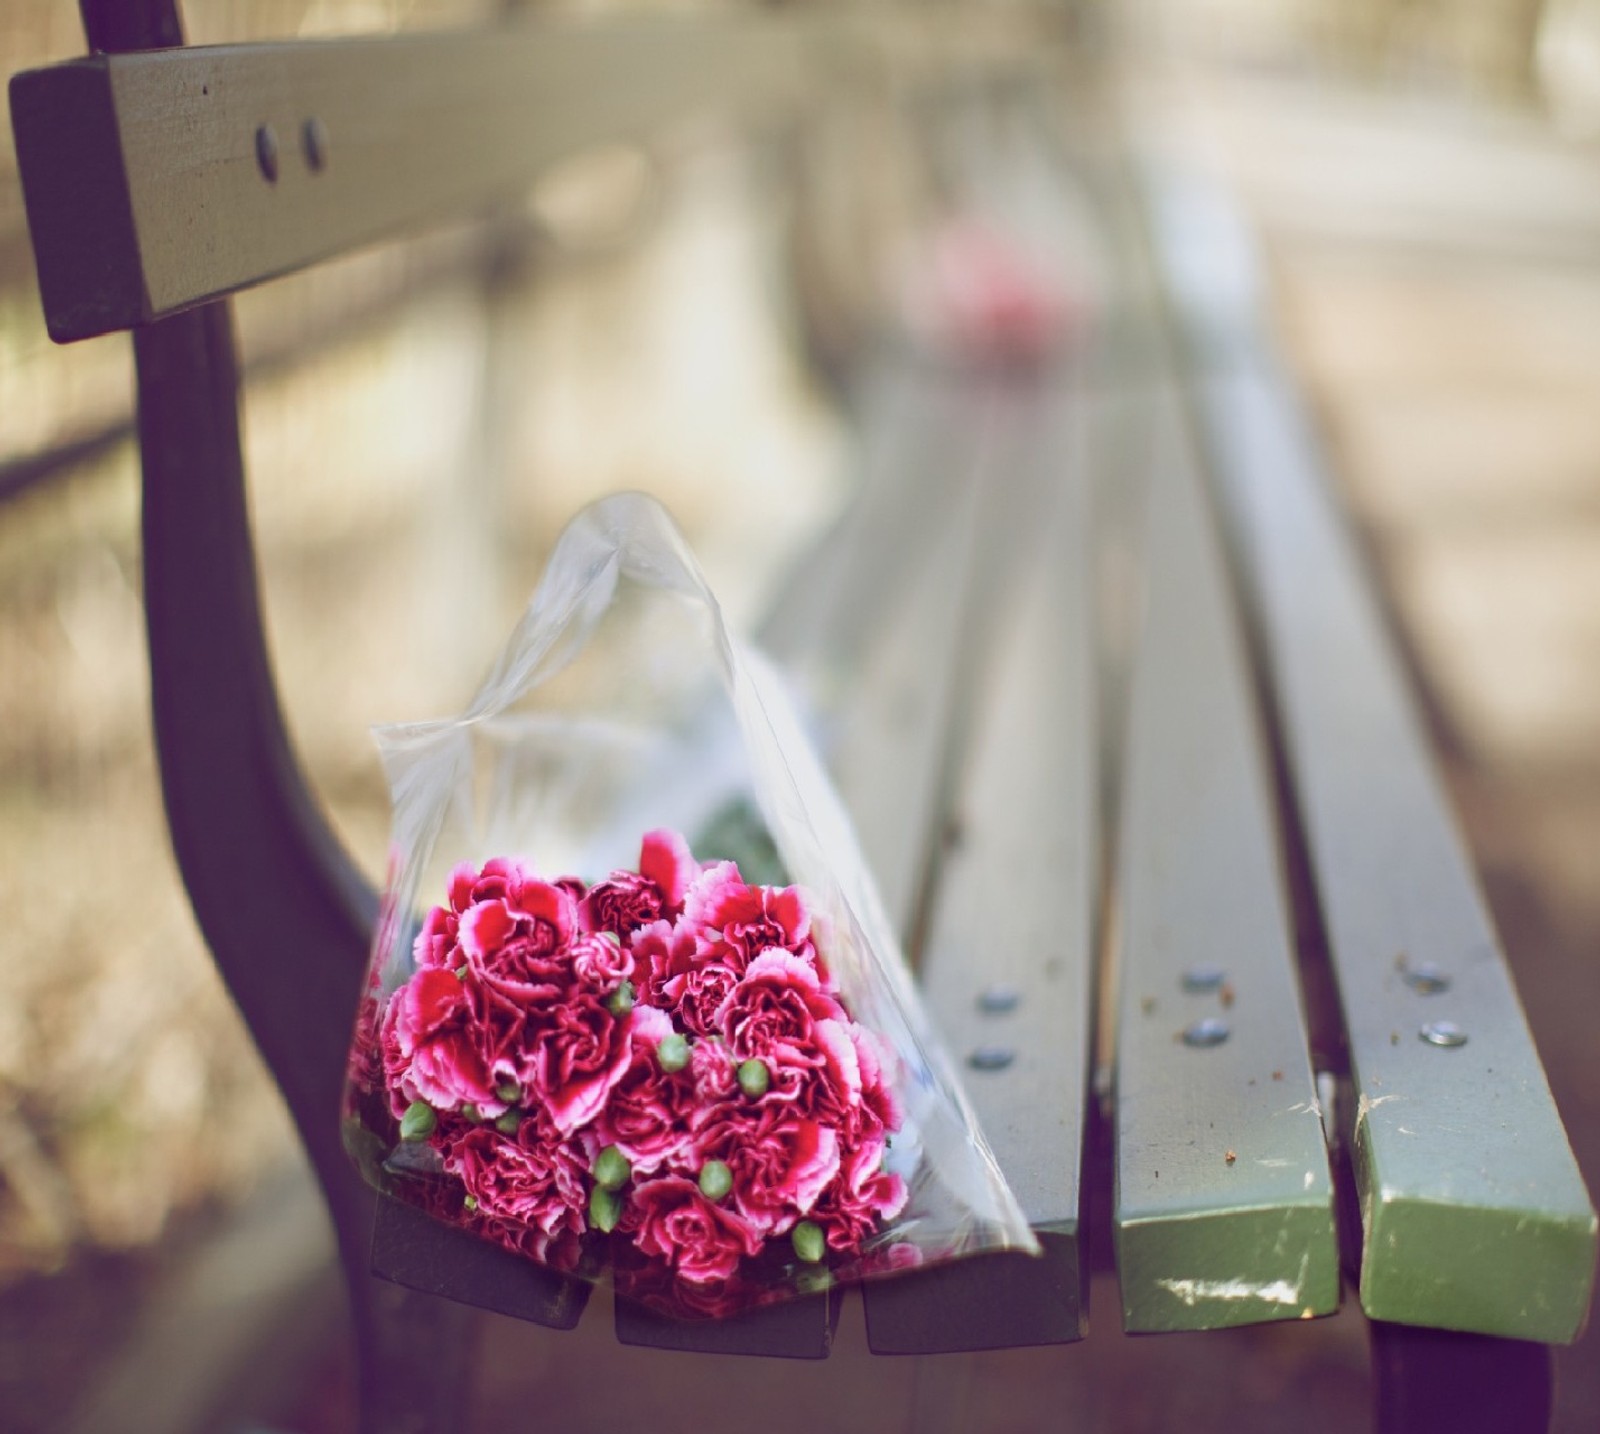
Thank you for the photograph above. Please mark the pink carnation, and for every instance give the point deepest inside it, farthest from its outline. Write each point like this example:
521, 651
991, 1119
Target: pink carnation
665, 858
530, 1178
648, 1111
734, 922
579, 1050
671, 1220
716, 1073
660, 951
501, 1023
627, 900
601, 963
519, 1019
780, 1163
518, 941
772, 1014
431, 1047
862, 1197
469, 885
622, 903
677, 976
435, 946
696, 995
878, 1098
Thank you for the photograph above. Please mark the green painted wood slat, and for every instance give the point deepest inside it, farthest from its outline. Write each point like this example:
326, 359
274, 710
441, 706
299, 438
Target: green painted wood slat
1006, 966
874, 627
1474, 1214
148, 191
1224, 1199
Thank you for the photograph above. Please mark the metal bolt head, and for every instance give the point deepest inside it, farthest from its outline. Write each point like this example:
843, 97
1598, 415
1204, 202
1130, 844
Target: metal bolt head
1443, 1033
1209, 1032
314, 144
267, 153
991, 1058
1426, 979
1199, 980
998, 999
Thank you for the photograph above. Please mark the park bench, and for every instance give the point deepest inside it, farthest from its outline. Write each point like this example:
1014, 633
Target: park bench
1240, 1025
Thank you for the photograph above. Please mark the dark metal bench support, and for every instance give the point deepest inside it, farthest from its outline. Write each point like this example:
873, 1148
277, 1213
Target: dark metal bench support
256, 855
1436, 1381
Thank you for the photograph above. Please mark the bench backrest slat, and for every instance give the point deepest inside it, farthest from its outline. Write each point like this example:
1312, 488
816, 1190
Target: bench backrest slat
1474, 1213
1224, 1199
158, 180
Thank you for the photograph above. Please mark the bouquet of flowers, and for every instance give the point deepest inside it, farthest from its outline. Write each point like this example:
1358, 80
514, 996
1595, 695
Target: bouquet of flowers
725, 1088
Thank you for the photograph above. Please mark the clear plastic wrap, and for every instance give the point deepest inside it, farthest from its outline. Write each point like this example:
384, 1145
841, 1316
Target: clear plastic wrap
634, 1001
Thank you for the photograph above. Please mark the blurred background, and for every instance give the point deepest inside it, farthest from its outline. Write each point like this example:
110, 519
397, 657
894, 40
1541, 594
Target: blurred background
1425, 178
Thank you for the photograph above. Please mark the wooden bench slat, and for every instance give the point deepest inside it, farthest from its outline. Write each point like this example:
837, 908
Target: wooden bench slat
1224, 1200
881, 646
1474, 1214
1015, 912
412, 1248
797, 1329
146, 194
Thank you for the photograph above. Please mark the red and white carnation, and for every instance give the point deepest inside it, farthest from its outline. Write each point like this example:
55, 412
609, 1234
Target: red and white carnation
663, 1053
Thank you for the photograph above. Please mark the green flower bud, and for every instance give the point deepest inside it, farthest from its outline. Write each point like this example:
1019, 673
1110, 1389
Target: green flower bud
610, 936
418, 1121
469, 1203
754, 1078
472, 1115
715, 1180
620, 1001
604, 1210
611, 1168
813, 1281
508, 1091
808, 1242
509, 1123
460, 973
673, 1052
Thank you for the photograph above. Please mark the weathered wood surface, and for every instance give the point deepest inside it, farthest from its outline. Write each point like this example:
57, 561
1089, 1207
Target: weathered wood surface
157, 180
1224, 1198
893, 626
1474, 1215
1006, 965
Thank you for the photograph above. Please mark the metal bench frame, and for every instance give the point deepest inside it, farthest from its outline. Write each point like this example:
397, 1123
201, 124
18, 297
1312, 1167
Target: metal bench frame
257, 856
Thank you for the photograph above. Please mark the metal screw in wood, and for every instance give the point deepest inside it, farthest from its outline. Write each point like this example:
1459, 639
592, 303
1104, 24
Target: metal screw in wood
267, 153
314, 144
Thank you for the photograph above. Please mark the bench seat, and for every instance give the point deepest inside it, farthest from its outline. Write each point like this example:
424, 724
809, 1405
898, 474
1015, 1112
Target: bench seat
1472, 1210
